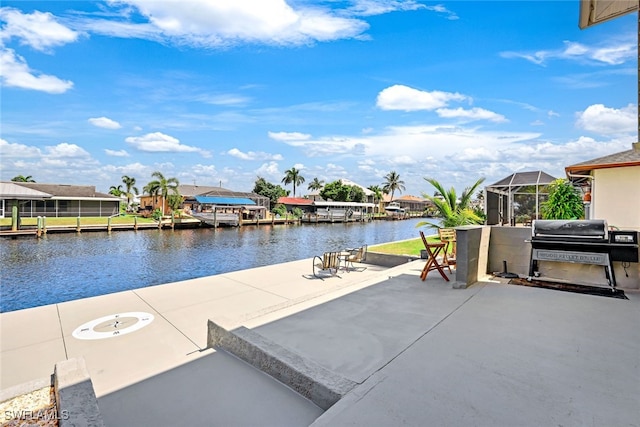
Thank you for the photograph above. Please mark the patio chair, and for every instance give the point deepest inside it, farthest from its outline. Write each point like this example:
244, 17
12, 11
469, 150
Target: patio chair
328, 264
448, 236
433, 250
356, 255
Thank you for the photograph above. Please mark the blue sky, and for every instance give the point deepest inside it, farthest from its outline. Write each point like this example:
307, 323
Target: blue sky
221, 92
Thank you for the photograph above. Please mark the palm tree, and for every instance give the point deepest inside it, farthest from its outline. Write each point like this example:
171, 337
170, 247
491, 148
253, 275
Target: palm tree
162, 186
129, 184
116, 191
152, 191
293, 176
453, 212
393, 183
316, 184
21, 178
377, 194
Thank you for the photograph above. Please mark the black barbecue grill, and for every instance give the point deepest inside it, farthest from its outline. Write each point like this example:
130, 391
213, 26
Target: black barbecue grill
583, 242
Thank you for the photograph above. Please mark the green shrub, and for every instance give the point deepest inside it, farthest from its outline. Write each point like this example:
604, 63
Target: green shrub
564, 201
279, 209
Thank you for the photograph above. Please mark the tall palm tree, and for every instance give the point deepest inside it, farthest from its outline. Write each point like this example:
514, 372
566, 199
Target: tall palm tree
162, 186
453, 212
316, 184
393, 183
152, 190
293, 176
129, 184
116, 191
21, 178
377, 194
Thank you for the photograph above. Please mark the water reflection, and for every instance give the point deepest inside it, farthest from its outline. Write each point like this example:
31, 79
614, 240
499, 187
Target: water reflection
63, 267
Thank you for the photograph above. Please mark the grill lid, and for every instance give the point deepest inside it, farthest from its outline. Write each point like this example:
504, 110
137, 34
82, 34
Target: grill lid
570, 229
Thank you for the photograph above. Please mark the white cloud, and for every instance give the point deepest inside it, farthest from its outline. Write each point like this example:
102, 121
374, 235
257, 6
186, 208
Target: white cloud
204, 170
224, 99
400, 97
157, 142
379, 7
610, 52
404, 160
104, 122
478, 154
584, 148
608, 121
62, 150
61, 163
439, 8
116, 153
14, 72
471, 114
132, 169
39, 30
253, 155
221, 23
330, 145
439, 141
289, 136
66, 150
11, 150
614, 55
269, 170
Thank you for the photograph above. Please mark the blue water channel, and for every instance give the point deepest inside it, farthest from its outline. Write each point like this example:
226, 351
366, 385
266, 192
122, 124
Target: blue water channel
64, 267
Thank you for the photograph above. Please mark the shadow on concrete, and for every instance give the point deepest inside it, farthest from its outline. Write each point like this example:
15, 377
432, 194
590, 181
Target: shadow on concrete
214, 390
359, 333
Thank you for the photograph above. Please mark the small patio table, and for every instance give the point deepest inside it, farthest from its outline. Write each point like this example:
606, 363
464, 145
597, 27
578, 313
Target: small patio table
433, 250
344, 259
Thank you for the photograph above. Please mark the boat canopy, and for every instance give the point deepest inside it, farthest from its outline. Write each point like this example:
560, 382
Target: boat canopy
206, 200
343, 204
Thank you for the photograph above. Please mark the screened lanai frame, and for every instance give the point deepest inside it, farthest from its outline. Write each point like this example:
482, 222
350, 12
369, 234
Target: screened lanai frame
500, 197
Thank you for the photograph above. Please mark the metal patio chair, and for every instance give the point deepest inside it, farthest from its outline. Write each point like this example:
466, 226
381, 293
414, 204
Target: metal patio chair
355, 255
327, 265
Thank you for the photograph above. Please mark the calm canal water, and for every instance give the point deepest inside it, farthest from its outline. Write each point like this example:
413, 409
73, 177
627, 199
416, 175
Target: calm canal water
64, 267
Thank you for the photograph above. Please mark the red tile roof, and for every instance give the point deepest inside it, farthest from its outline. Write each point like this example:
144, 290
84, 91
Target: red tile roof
294, 201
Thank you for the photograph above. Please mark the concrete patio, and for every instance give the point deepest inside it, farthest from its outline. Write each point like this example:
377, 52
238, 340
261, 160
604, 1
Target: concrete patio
420, 353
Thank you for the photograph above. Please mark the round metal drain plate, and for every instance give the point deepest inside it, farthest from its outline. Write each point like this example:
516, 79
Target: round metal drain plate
113, 325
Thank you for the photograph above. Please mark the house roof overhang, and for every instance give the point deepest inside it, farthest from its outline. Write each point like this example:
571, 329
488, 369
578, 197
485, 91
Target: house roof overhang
579, 173
9, 190
593, 12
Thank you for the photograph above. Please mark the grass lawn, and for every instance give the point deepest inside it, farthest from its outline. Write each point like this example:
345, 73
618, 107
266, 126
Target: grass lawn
53, 222
406, 247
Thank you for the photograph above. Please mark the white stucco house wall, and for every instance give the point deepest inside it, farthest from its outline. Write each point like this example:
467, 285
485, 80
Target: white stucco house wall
613, 184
